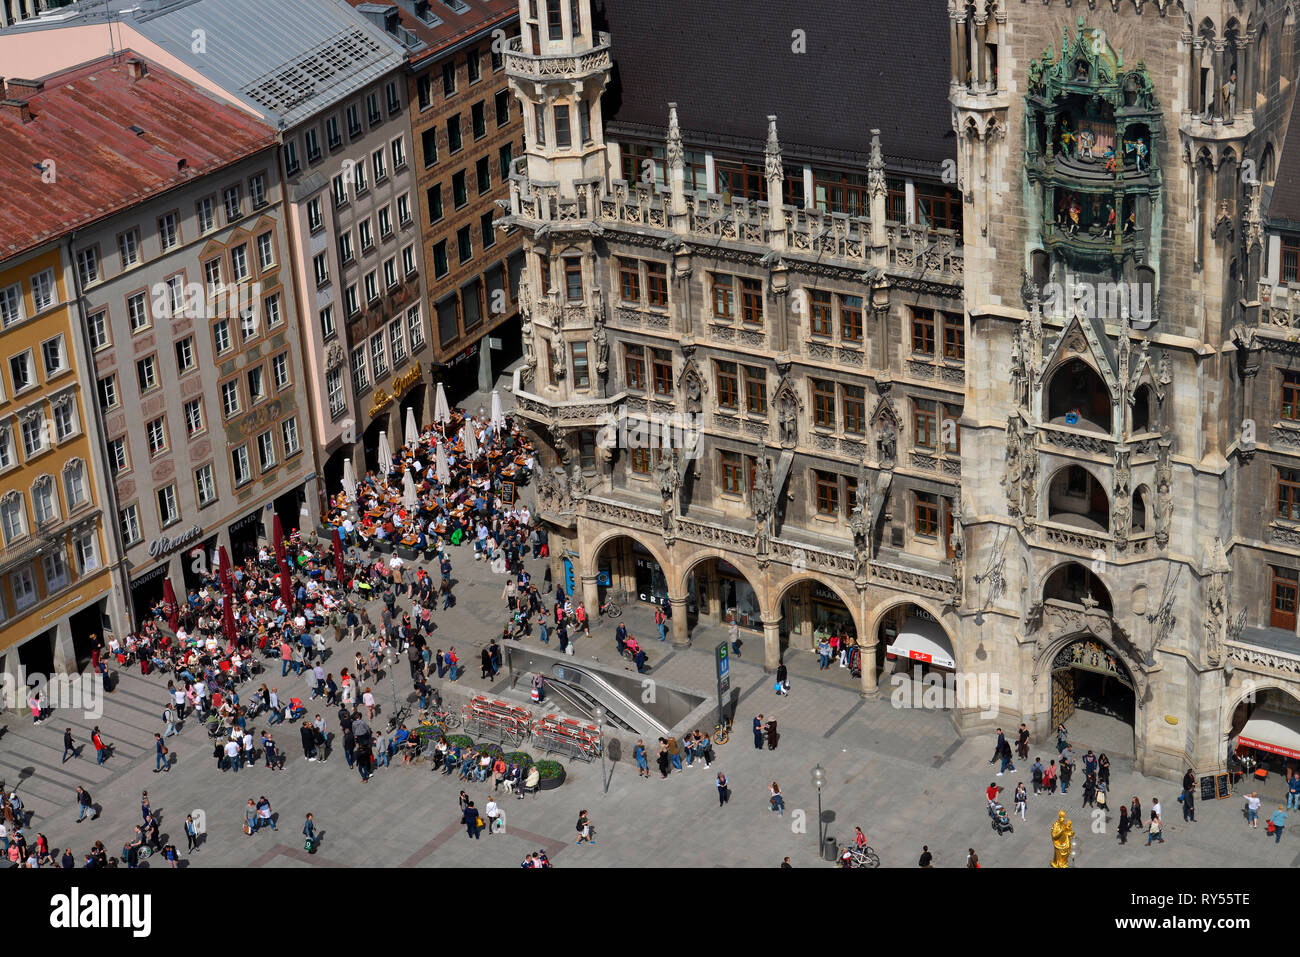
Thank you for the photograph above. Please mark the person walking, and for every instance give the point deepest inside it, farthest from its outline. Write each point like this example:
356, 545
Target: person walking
250, 818
926, 858
101, 749
191, 834
997, 746
1049, 777
1154, 830
161, 761
586, 834
305, 731
972, 859
1022, 798
724, 791
1066, 771
84, 805
473, 823
1293, 791
1006, 758
1189, 797
733, 635
1278, 822
69, 746
1135, 812
311, 834
264, 818
1252, 809
1036, 775
1022, 742
782, 679
758, 733
639, 755
1103, 771
1123, 826
663, 758
775, 799
491, 811
169, 721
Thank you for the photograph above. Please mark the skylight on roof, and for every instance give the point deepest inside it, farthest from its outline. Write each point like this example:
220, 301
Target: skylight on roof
294, 83
456, 6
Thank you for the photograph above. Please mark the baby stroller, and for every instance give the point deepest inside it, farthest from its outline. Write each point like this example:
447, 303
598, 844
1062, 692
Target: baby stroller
1001, 823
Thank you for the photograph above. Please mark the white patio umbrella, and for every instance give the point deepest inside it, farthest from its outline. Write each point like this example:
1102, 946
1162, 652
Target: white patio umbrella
443, 472
349, 480
498, 419
408, 490
412, 433
470, 440
441, 411
385, 453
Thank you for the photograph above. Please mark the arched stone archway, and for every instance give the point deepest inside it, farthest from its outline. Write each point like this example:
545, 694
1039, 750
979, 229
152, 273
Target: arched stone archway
803, 601
874, 636
1078, 666
717, 587
639, 578
1246, 692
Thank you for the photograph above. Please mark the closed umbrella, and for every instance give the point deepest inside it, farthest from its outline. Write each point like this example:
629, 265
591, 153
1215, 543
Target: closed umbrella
498, 419
408, 490
286, 590
349, 480
277, 538
338, 558
442, 471
412, 433
169, 605
470, 441
227, 596
441, 411
385, 454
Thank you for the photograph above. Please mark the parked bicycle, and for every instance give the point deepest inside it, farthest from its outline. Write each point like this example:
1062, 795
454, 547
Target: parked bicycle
722, 731
612, 607
850, 855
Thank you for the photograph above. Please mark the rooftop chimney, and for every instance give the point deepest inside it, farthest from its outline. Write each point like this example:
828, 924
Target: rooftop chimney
137, 68
18, 108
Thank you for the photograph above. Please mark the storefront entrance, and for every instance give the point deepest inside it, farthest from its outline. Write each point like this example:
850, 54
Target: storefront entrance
244, 534
147, 589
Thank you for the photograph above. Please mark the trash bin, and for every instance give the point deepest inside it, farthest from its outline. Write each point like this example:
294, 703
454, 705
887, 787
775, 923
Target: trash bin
829, 850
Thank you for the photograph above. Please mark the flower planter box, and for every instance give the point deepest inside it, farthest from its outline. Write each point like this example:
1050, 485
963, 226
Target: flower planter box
550, 784
406, 554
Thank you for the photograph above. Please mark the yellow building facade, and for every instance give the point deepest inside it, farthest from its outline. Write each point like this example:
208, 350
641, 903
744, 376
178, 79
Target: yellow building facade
56, 579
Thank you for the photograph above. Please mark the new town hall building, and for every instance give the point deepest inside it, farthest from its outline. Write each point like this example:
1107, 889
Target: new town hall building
984, 311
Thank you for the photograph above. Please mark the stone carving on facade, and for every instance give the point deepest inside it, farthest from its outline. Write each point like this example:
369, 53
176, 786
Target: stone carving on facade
1019, 374
1252, 224
1216, 601
669, 476
333, 356
599, 339
1011, 480
763, 502
675, 151
1122, 509
886, 426
1028, 477
1164, 494
559, 366
787, 414
860, 522
692, 385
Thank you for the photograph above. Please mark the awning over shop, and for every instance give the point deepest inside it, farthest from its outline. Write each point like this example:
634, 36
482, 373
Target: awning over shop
923, 640
1272, 731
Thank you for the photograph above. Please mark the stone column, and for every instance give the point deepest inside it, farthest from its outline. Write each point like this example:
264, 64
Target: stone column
954, 45
1193, 74
65, 655
771, 644
14, 694
1245, 76
870, 687
981, 50
590, 595
681, 627
1220, 78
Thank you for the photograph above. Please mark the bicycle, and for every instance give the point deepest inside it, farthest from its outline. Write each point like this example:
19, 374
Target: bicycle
864, 856
611, 608
722, 731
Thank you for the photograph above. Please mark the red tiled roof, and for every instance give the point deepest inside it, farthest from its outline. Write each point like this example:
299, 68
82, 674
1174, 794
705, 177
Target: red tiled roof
481, 15
81, 120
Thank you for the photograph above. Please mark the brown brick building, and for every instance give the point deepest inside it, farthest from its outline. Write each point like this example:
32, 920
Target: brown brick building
466, 131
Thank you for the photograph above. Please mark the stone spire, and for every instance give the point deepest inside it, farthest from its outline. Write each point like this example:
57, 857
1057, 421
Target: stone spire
876, 193
676, 155
772, 155
775, 173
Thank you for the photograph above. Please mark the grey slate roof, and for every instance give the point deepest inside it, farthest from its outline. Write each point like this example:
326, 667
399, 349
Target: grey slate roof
729, 63
1283, 207
287, 59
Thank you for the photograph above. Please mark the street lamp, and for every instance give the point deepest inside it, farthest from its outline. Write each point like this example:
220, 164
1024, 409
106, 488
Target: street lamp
599, 714
819, 781
389, 661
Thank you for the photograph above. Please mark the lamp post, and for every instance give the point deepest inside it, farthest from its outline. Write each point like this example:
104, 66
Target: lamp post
599, 714
819, 781
389, 661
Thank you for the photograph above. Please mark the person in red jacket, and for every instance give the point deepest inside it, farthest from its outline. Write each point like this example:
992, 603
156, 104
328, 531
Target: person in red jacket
100, 747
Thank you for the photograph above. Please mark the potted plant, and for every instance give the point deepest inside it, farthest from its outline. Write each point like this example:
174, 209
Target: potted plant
493, 749
551, 775
521, 758
464, 740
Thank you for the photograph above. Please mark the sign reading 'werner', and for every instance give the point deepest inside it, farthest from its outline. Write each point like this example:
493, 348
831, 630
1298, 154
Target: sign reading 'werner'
165, 543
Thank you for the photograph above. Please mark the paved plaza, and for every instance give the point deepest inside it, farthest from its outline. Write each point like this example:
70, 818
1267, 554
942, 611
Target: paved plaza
902, 775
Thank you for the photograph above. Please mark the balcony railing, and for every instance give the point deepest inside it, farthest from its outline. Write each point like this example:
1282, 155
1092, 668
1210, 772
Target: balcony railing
564, 66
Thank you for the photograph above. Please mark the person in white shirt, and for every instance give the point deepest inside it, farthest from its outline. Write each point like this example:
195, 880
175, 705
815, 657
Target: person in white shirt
232, 754
491, 812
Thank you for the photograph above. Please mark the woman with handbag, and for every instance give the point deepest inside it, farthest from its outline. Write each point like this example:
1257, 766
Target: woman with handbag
724, 792
586, 833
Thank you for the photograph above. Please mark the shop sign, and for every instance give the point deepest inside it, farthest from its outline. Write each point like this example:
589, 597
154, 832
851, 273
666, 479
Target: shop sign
165, 543
822, 593
382, 399
246, 521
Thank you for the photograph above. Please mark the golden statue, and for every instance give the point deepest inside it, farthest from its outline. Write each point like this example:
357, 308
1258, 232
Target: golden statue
1062, 839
